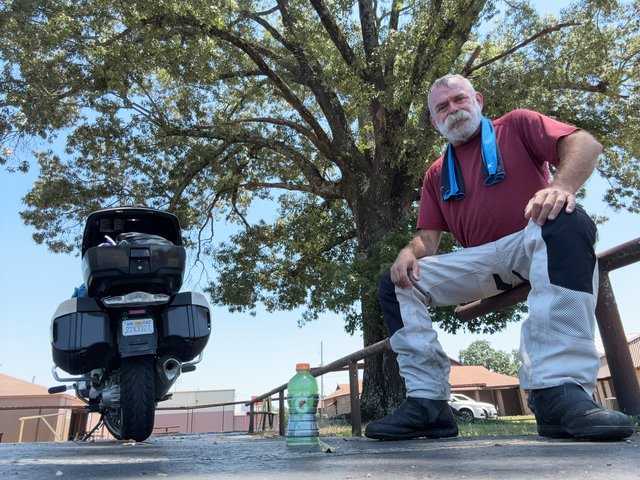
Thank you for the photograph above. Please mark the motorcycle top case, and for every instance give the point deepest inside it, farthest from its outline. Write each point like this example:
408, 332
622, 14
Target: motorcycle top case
186, 326
148, 254
80, 336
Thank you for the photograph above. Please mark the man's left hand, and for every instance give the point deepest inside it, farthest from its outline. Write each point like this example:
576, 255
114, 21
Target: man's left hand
547, 203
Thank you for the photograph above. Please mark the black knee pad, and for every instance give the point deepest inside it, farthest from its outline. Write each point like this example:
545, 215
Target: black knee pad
570, 240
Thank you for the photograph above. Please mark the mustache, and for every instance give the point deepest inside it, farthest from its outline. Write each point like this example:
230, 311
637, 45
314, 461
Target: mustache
456, 117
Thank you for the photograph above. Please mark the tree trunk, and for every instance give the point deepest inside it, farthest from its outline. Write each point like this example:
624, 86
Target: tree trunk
383, 387
379, 211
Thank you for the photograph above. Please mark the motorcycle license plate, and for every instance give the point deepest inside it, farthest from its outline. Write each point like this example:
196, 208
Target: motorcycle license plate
139, 326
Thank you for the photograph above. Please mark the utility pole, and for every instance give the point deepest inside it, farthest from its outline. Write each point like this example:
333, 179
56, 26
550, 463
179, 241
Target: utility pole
321, 382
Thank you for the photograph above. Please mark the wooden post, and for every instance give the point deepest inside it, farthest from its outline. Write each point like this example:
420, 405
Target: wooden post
281, 419
252, 411
354, 396
614, 340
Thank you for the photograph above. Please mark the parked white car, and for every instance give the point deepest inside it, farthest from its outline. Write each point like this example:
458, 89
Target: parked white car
471, 409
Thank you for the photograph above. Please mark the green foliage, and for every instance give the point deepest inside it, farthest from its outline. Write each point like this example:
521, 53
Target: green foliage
481, 353
283, 264
212, 110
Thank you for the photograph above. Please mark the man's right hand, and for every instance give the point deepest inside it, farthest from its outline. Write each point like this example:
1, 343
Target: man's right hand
406, 267
405, 264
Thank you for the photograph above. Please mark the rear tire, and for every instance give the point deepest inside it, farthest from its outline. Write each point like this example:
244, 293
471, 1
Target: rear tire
466, 414
134, 418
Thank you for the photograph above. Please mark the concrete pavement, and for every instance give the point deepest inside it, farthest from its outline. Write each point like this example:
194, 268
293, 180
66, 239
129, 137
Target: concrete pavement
220, 456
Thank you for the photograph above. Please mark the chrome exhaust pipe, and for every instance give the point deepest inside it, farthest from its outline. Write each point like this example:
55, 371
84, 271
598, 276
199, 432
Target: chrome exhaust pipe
168, 370
171, 369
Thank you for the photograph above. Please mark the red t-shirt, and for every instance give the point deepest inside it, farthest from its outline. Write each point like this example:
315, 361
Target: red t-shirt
527, 141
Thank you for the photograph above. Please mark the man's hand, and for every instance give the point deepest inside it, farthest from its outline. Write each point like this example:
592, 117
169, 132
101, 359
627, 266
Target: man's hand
406, 264
578, 153
406, 267
547, 203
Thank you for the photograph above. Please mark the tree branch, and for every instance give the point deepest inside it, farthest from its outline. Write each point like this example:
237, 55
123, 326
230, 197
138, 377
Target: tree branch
335, 34
294, 187
191, 174
280, 84
601, 87
467, 67
236, 210
327, 99
449, 31
337, 240
275, 121
522, 44
394, 19
239, 74
255, 53
317, 183
370, 42
300, 129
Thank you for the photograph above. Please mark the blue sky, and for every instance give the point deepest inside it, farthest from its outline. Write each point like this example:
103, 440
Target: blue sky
249, 354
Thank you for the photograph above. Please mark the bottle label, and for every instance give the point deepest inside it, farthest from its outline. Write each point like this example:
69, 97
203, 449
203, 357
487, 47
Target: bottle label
305, 403
302, 427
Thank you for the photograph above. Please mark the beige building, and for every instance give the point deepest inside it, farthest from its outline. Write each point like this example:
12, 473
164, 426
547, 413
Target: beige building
60, 417
605, 393
177, 415
338, 402
483, 385
53, 419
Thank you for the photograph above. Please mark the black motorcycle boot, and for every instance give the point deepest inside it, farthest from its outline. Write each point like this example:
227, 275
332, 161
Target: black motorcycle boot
568, 411
416, 417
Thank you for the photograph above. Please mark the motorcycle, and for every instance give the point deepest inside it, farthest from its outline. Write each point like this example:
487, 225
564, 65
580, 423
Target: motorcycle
134, 333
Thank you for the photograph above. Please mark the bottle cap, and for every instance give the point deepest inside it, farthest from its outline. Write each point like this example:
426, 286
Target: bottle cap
303, 366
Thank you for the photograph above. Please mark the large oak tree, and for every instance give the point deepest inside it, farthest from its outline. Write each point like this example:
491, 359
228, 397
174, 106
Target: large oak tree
317, 107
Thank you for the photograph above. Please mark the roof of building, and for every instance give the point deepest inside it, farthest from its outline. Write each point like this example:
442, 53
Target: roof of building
342, 389
476, 375
15, 387
12, 387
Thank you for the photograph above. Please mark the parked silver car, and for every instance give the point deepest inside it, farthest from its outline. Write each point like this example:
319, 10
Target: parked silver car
471, 409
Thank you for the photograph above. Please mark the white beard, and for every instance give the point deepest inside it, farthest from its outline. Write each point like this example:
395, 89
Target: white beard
460, 126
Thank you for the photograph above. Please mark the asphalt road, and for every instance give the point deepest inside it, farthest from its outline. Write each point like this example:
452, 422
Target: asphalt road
217, 456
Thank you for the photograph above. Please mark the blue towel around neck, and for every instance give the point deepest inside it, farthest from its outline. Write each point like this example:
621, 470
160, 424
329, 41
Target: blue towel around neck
452, 184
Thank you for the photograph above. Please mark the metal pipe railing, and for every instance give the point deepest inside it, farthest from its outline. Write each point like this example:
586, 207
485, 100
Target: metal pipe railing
351, 359
609, 324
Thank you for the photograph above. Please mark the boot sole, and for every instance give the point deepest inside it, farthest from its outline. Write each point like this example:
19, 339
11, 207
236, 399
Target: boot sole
605, 432
433, 433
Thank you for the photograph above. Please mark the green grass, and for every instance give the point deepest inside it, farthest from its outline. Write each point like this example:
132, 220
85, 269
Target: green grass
500, 427
635, 420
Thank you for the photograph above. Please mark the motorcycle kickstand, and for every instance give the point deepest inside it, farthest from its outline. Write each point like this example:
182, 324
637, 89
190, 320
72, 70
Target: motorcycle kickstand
98, 425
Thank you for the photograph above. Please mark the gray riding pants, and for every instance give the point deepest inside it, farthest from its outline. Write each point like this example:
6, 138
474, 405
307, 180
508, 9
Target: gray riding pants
557, 338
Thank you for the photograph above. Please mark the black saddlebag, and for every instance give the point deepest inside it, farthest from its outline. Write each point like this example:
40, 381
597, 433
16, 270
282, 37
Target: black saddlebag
80, 336
186, 326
